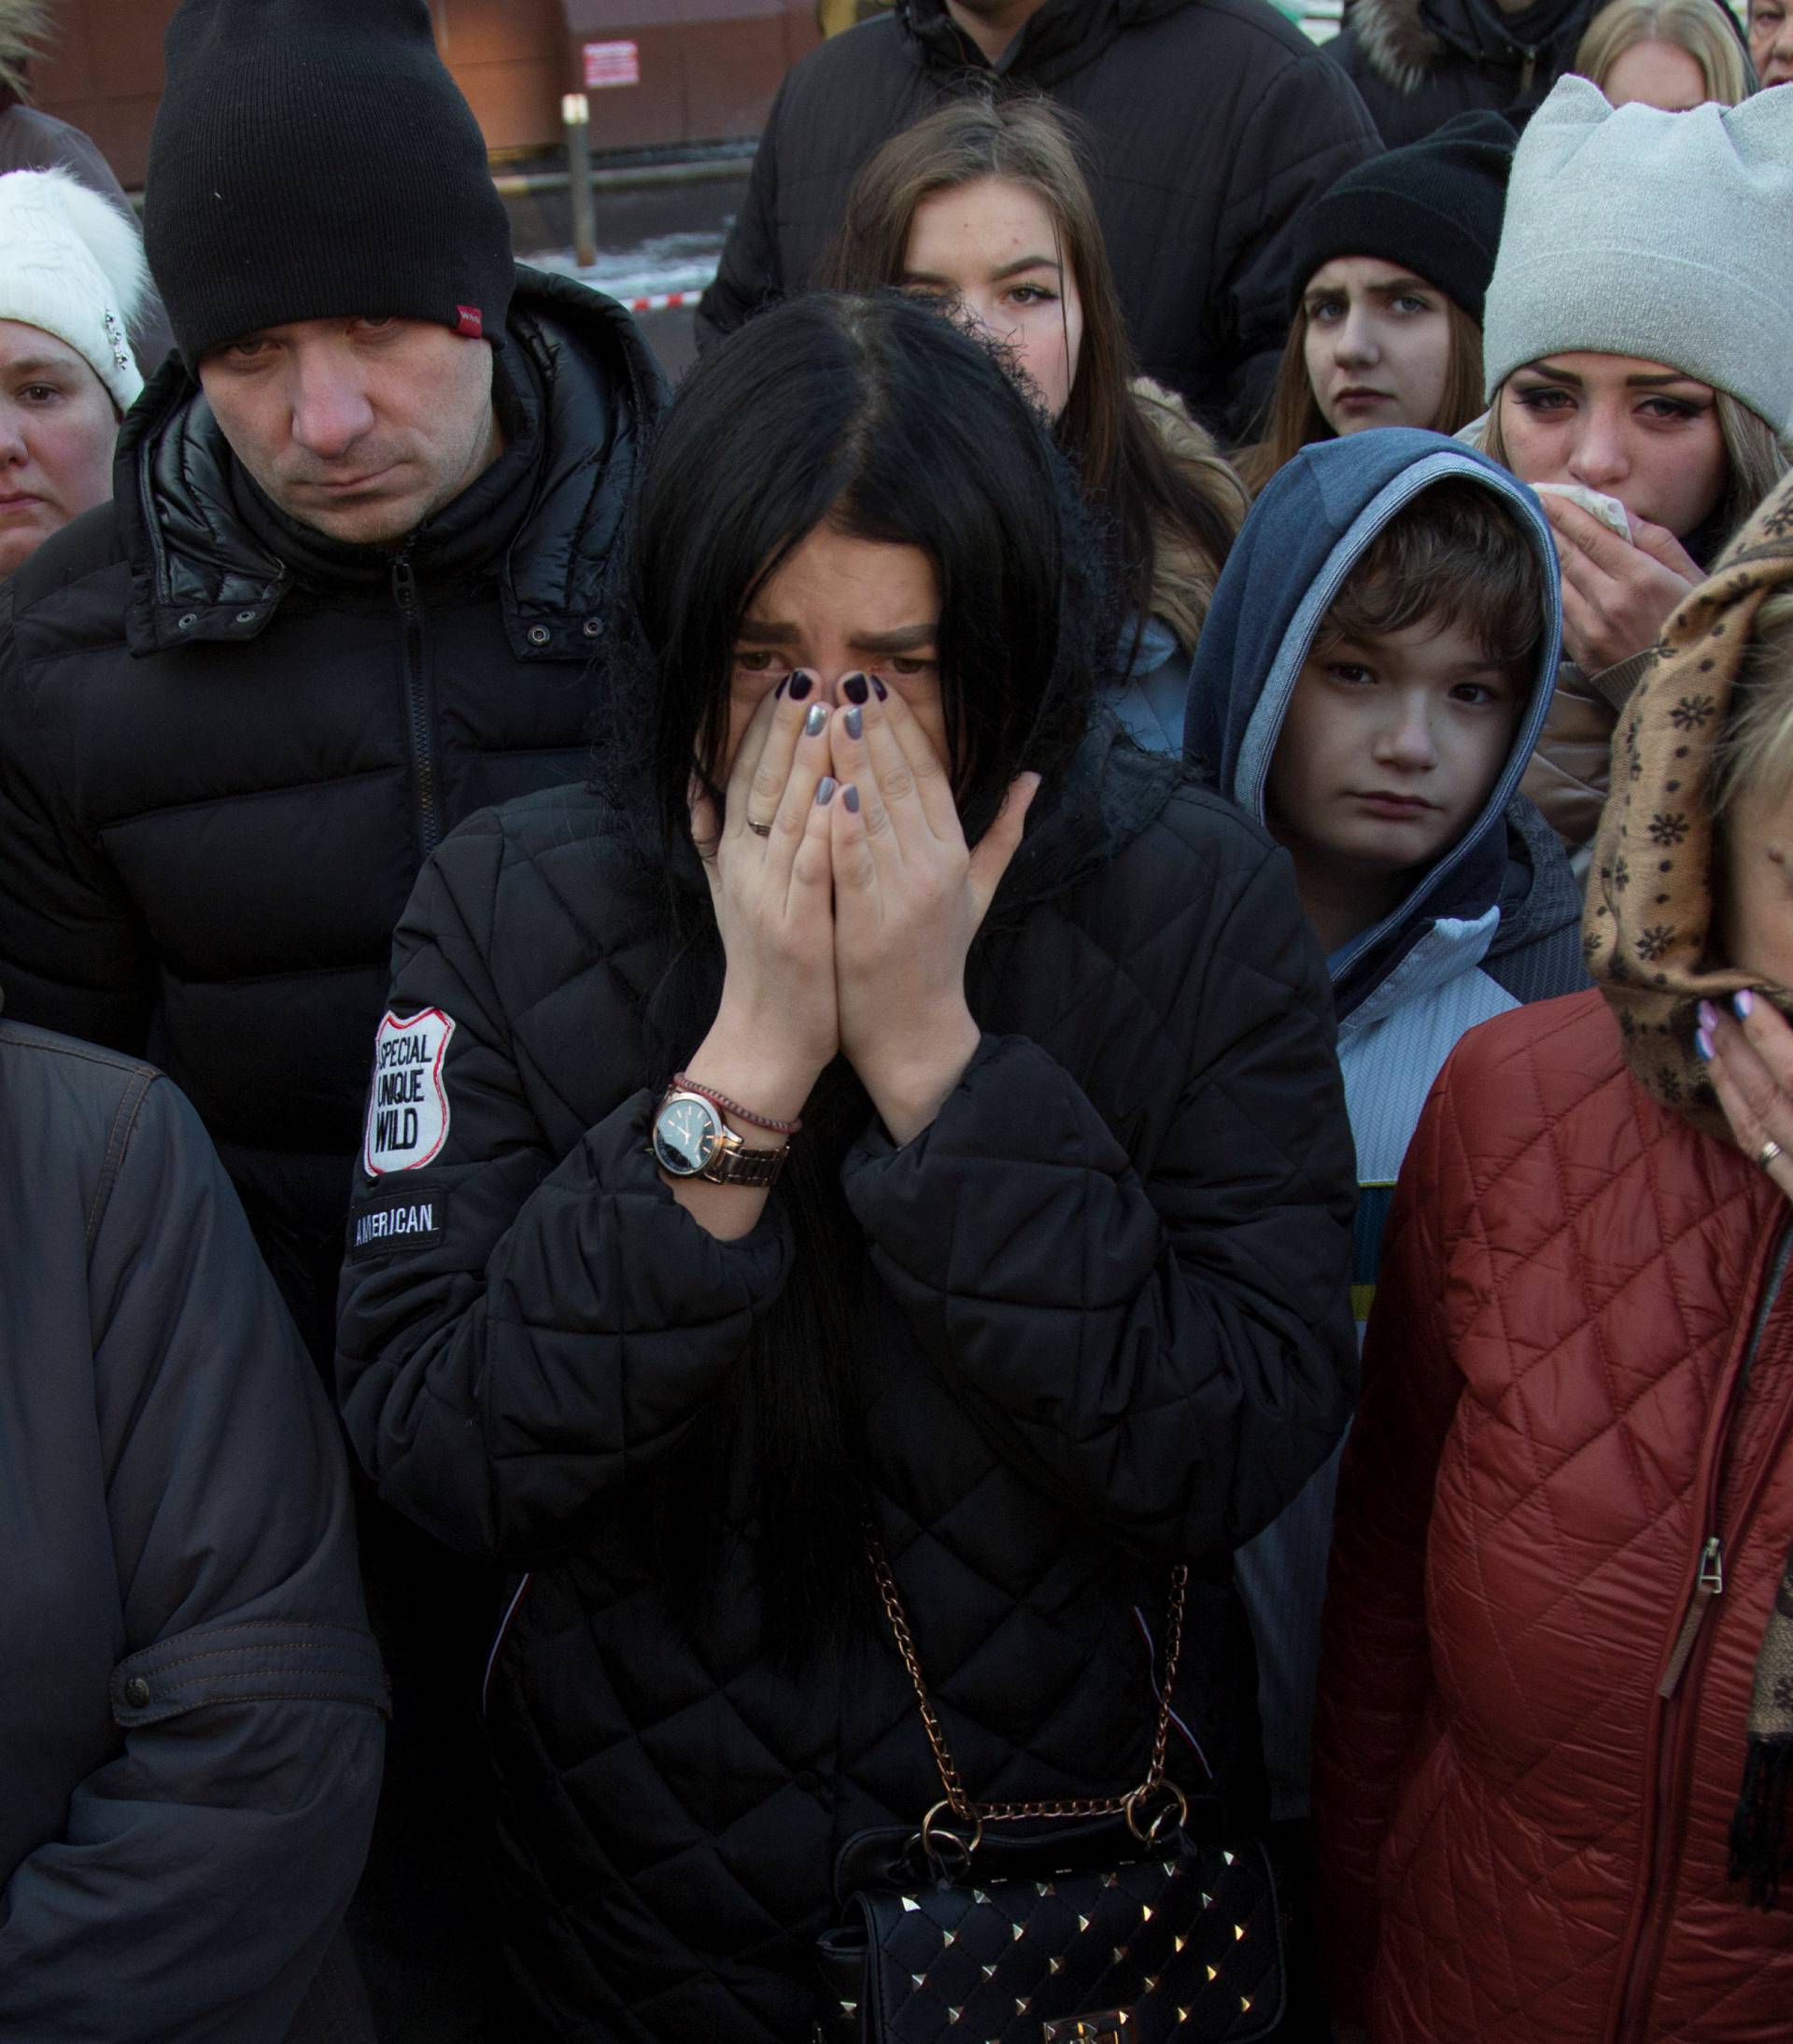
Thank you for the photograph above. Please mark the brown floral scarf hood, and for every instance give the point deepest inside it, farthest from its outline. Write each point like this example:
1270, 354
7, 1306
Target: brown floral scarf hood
1648, 930
1649, 922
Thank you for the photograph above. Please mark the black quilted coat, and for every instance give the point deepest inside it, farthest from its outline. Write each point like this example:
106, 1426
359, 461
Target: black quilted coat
227, 745
1106, 1325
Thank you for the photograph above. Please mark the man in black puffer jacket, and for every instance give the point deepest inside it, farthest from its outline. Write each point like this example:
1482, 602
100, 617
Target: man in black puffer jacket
1214, 121
232, 727
345, 595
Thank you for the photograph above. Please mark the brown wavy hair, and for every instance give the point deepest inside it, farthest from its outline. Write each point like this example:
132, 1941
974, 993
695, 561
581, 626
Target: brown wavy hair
1147, 466
1292, 419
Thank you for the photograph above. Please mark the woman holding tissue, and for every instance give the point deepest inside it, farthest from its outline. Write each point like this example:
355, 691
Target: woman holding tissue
1636, 342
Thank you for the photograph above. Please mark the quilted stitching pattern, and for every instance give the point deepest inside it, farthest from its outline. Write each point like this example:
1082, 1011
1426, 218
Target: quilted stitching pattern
1083, 1365
1571, 1274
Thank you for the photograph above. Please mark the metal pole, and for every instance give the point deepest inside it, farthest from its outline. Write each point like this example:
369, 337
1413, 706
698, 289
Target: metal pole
576, 113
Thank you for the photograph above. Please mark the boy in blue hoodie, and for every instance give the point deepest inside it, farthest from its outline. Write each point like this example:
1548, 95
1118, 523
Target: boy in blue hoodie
1370, 680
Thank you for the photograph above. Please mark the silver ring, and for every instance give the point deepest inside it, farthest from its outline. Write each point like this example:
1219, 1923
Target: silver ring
1766, 1155
759, 830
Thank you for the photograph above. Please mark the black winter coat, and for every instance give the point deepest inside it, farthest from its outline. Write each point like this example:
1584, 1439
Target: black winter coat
190, 1701
1418, 63
227, 745
1214, 121
1106, 1325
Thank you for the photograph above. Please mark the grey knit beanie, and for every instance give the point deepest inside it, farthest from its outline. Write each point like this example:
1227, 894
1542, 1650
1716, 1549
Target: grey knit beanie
1665, 236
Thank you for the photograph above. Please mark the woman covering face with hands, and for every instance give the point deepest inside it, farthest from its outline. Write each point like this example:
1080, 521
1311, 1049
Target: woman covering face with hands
886, 1100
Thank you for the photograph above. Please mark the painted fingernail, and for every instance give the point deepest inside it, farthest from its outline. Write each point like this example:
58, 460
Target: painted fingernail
801, 684
1742, 1002
825, 791
855, 688
882, 691
817, 719
1702, 1043
855, 721
1707, 1016
780, 688
850, 795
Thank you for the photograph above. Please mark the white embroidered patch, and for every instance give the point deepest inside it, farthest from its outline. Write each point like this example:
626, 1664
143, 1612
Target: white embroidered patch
407, 1115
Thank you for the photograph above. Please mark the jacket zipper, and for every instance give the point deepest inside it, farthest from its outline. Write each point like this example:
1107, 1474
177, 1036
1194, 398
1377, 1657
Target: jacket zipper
418, 714
1676, 1689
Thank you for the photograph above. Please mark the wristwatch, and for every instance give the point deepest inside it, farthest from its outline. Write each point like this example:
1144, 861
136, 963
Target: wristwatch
691, 1140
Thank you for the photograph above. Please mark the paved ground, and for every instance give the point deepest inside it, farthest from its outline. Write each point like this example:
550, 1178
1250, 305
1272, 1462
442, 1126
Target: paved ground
660, 239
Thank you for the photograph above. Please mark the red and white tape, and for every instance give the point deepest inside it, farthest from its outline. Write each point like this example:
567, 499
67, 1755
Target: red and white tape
662, 301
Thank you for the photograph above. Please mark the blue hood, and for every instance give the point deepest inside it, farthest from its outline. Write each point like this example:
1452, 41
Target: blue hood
1312, 525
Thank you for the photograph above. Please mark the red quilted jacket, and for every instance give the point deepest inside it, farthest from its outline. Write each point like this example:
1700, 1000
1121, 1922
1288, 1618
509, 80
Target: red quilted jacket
1577, 1423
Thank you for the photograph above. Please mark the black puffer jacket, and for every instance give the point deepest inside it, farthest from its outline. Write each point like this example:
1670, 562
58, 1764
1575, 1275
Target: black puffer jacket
1214, 119
1106, 1326
189, 1707
227, 745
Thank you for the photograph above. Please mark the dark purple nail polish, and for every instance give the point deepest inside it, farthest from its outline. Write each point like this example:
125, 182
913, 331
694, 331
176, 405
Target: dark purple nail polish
855, 688
850, 795
882, 691
780, 688
825, 791
816, 721
801, 684
855, 721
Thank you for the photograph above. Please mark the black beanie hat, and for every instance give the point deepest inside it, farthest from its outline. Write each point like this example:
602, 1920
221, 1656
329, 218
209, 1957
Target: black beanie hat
313, 159
1434, 207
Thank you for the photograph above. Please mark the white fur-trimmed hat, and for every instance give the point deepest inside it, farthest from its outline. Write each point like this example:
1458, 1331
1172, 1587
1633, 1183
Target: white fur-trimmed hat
1628, 231
72, 264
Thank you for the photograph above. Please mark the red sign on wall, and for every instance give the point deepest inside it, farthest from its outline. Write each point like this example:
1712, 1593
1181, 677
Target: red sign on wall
612, 63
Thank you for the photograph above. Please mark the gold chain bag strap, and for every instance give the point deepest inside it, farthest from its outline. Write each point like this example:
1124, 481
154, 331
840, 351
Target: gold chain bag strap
957, 1803
1131, 1934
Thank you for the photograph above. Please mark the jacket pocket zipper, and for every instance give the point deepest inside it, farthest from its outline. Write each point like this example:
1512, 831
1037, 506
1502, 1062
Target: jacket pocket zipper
1709, 1585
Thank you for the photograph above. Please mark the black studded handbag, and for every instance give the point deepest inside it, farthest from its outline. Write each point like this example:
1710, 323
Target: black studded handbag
1111, 1921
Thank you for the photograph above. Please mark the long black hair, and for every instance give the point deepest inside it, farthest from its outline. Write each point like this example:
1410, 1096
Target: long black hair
883, 421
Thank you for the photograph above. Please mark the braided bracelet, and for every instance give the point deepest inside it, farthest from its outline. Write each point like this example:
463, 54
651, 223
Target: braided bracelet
684, 1082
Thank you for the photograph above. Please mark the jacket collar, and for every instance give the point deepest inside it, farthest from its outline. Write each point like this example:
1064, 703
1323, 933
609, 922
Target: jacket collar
206, 566
1062, 37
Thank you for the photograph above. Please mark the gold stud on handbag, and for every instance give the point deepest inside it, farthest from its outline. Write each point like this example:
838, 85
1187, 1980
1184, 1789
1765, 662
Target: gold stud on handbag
1112, 1924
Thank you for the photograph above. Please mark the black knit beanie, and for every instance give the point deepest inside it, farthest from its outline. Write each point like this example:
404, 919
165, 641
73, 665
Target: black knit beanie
313, 159
1434, 207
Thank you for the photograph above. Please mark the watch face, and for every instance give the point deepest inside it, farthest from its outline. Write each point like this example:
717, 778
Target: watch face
686, 1136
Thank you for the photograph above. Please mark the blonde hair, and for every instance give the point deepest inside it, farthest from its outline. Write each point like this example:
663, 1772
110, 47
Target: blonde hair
1756, 455
1292, 419
1696, 27
1756, 753
25, 29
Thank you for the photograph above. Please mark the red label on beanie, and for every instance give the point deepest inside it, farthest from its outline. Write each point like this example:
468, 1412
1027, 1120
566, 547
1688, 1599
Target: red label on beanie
470, 323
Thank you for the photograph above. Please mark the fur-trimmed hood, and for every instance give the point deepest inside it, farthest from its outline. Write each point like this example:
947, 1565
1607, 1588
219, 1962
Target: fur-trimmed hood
1404, 41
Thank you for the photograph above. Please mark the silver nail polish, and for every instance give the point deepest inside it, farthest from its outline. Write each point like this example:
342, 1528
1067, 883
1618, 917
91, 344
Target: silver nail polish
816, 720
825, 791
